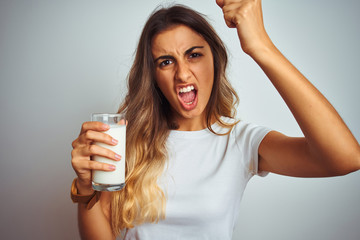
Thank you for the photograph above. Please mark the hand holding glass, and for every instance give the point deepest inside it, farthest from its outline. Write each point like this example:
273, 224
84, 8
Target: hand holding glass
114, 180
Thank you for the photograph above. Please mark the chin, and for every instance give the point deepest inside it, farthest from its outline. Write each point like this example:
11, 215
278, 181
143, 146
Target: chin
194, 114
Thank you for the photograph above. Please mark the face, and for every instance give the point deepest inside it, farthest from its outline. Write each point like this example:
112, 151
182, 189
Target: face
184, 74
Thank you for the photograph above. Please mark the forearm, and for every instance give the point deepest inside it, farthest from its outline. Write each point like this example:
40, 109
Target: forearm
93, 224
329, 140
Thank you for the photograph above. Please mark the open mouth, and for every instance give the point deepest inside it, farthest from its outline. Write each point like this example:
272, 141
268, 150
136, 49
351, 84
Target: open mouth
188, 96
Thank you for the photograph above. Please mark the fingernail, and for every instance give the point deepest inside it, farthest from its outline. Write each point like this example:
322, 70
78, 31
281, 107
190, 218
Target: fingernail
117, 156
105, 126
112, 167
114, 141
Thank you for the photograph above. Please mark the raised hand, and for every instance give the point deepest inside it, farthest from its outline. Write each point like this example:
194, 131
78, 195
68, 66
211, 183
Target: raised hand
246, 16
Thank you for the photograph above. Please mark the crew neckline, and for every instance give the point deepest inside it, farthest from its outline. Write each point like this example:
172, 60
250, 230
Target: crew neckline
199, 133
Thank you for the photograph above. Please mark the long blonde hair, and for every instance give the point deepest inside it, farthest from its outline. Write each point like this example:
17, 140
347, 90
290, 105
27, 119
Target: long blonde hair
150, 120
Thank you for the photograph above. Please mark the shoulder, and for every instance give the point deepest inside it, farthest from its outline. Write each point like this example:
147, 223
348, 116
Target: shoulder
241, 128
248, 135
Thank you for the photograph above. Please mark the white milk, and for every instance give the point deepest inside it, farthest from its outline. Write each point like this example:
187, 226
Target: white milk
117, 176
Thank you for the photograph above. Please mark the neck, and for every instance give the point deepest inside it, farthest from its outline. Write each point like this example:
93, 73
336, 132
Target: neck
193, 124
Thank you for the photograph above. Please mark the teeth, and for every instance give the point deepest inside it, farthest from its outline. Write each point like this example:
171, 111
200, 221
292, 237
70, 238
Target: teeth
187, 89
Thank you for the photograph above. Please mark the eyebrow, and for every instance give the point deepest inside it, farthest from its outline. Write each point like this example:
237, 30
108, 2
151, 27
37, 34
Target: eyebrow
171, 57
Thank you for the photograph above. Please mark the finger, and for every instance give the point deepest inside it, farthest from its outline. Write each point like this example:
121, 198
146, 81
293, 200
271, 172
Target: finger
91, 136
123, 122
94, 150
83, 166
94, 165
95, 126
75, 143
220, 3
231, 13
230, 24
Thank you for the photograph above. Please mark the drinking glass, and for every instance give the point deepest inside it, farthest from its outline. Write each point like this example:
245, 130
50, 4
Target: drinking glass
114, 180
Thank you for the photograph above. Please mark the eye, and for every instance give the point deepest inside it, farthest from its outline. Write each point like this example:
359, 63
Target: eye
165, 63
195, 55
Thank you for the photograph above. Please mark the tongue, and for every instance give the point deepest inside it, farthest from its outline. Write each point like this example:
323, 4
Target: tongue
187, 97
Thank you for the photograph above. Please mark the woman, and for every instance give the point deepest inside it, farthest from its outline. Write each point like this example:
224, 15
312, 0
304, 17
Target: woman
188, 160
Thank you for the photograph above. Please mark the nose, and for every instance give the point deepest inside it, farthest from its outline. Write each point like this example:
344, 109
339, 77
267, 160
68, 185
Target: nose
183, 72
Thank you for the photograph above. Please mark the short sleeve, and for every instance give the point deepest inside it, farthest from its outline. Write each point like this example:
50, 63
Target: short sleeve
248, 137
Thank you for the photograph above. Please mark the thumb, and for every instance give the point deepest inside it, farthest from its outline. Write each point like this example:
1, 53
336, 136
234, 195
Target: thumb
220, 3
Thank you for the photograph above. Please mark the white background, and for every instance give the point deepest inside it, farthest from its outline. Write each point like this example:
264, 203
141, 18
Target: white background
60, 61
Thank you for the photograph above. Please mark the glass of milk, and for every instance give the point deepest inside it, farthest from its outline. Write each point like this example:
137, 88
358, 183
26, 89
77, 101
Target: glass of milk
114, 180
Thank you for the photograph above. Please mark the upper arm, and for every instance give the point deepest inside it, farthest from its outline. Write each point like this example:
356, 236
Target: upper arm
289, 156
105, 200
95, 223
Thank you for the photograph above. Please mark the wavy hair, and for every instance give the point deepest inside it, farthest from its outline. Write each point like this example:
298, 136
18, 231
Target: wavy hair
149, 119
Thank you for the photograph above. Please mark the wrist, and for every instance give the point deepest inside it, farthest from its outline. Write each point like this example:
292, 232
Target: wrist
261, 50
84, 198
264, 54
84, 187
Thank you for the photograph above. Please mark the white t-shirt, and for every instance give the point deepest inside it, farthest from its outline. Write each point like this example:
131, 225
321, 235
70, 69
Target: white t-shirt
204, 183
